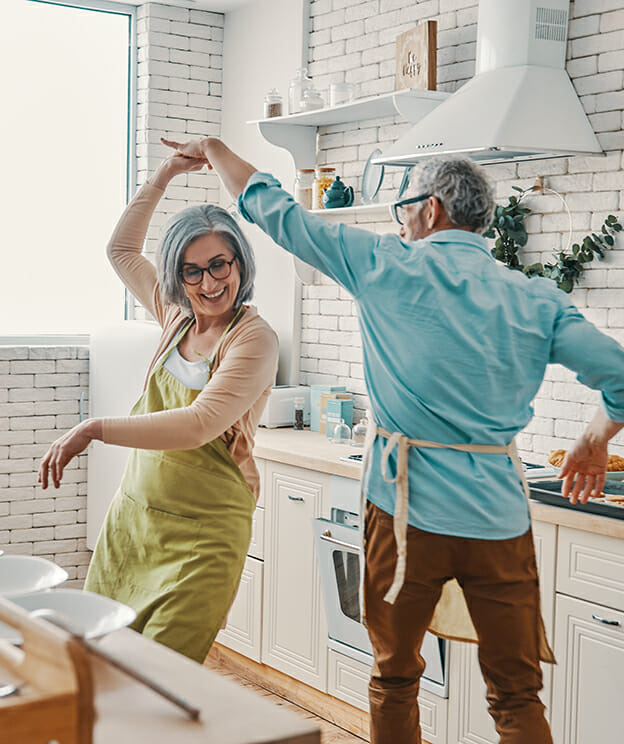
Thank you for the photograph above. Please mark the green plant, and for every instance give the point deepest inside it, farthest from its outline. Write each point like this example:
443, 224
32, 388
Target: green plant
509, 231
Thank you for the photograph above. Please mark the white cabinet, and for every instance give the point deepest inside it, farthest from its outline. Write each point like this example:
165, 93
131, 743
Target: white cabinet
294, 638
243, 632
589, 639
470, 722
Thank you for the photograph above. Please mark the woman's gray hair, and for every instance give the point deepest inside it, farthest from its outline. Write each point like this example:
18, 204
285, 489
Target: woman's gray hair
181, 231
460, 185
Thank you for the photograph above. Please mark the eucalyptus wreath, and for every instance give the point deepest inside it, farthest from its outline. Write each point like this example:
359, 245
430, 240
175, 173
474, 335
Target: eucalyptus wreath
508, 228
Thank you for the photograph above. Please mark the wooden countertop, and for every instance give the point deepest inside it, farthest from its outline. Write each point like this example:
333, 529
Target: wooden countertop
311, 450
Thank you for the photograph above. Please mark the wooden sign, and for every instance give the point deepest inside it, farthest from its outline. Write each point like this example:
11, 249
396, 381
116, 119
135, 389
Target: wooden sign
416, 57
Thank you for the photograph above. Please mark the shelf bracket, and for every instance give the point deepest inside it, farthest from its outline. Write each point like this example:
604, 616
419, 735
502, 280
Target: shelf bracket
299, 140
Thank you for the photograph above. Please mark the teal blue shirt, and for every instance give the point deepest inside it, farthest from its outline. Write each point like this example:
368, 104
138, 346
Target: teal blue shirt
455, 348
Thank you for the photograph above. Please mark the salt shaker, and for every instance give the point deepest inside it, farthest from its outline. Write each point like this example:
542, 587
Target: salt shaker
298, 414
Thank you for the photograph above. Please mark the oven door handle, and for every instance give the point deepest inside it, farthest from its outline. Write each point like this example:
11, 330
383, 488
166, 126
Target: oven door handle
341, 543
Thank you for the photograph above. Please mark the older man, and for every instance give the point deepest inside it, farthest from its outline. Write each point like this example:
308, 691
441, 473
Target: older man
455, 348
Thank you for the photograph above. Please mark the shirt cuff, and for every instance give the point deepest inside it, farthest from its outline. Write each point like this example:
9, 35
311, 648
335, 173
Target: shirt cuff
256, 181
612, 411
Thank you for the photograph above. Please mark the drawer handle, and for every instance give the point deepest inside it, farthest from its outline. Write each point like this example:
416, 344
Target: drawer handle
605, 621
296, 498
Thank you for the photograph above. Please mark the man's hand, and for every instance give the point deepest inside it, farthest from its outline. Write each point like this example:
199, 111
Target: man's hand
584, 469
172, 166
194, 149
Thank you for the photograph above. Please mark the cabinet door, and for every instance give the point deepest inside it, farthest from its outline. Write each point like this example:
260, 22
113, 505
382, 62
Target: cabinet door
243, 632
295, 630
470, 722
589, 676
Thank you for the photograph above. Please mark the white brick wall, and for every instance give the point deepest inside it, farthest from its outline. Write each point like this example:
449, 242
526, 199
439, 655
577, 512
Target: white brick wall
592, 187
40, 392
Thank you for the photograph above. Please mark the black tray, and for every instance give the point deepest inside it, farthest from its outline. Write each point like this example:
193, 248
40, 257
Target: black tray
549, 492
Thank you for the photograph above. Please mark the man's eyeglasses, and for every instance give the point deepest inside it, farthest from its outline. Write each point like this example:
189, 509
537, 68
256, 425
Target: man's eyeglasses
398, 211
219, 269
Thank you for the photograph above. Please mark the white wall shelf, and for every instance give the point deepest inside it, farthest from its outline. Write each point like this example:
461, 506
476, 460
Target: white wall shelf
382, 209
297, 132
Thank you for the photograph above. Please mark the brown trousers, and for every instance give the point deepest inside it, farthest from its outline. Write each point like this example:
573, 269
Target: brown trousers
500, 583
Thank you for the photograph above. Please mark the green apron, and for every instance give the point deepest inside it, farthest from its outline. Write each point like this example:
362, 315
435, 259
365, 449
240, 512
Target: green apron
176, 534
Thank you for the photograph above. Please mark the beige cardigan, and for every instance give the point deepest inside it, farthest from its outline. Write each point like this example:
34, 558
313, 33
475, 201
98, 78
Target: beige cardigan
244, 368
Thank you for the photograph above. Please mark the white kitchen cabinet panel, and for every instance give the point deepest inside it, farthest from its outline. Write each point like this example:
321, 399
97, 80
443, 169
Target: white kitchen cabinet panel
243, 632
589, 677
591, 567
347, 679
256, 545
295, 630
261, 465
470, 722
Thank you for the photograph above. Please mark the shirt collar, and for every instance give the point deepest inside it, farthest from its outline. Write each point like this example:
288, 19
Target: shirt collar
463, 237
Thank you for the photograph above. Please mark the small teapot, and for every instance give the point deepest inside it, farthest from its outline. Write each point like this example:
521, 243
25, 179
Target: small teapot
337, 195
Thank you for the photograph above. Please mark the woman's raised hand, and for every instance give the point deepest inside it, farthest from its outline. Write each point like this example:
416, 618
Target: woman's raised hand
193, 149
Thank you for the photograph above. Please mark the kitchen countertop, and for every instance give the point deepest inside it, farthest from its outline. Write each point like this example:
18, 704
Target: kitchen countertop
311, 450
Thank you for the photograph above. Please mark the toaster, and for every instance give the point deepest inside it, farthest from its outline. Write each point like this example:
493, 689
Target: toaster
280, 407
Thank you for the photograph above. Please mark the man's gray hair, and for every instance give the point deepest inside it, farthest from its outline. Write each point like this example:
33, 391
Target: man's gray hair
181, 231
460, 185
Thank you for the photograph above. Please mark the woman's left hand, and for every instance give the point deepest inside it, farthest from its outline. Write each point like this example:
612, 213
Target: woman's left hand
62, 451
191, 149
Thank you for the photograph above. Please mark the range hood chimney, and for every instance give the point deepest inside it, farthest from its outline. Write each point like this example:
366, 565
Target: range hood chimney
520, 105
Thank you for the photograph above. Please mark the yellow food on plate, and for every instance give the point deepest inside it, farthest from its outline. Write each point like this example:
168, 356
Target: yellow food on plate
615, 462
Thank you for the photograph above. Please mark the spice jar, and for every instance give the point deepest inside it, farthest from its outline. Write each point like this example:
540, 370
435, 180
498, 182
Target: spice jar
298, 414
311, 100
323, 180
272, 104
298, 85
304, 183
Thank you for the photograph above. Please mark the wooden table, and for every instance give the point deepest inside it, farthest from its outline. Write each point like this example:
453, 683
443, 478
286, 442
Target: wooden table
129, 713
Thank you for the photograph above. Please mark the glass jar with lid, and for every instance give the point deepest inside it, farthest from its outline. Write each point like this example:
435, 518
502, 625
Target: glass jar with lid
324, 177
298, 85
359, 433
304, 187
272, 104
312, 100
341, 433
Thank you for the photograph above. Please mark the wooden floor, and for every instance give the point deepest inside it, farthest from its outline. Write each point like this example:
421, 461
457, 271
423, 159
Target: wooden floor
330, 734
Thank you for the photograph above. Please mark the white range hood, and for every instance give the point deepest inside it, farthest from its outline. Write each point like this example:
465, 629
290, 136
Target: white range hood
520, 105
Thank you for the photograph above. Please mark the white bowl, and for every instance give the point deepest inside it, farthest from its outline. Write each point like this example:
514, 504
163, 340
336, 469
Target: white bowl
91, 614
23, 574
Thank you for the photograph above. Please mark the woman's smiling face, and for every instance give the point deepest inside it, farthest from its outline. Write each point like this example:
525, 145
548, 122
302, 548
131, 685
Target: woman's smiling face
211, 298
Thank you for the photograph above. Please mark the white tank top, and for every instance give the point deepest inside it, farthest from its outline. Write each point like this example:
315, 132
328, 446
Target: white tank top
193, 375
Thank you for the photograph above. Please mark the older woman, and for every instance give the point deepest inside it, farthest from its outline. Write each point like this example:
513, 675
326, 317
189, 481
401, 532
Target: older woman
176, 534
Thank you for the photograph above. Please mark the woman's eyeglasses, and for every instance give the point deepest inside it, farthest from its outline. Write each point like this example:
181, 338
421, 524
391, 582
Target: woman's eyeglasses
398, 211
219, 269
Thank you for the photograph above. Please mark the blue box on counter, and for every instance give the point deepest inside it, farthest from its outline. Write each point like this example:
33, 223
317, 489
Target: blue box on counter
338, 408
315, 402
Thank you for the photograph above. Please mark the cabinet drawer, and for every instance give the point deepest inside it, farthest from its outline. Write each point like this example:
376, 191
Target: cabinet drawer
591, 567
243, 631
256, 546
348, 681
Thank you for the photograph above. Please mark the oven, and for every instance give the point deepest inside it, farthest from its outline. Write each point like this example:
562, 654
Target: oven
336, 541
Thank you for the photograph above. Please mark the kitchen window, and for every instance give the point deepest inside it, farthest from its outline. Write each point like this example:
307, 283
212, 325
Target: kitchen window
68, 100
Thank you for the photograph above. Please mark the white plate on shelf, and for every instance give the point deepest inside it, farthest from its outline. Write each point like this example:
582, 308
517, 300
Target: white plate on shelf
23, 574
371, 178
91, 614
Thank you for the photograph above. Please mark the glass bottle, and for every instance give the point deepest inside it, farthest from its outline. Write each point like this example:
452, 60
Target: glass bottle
324, 177
298, 85
341, 433
304, 187
359, 433
272, 104
298, 414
